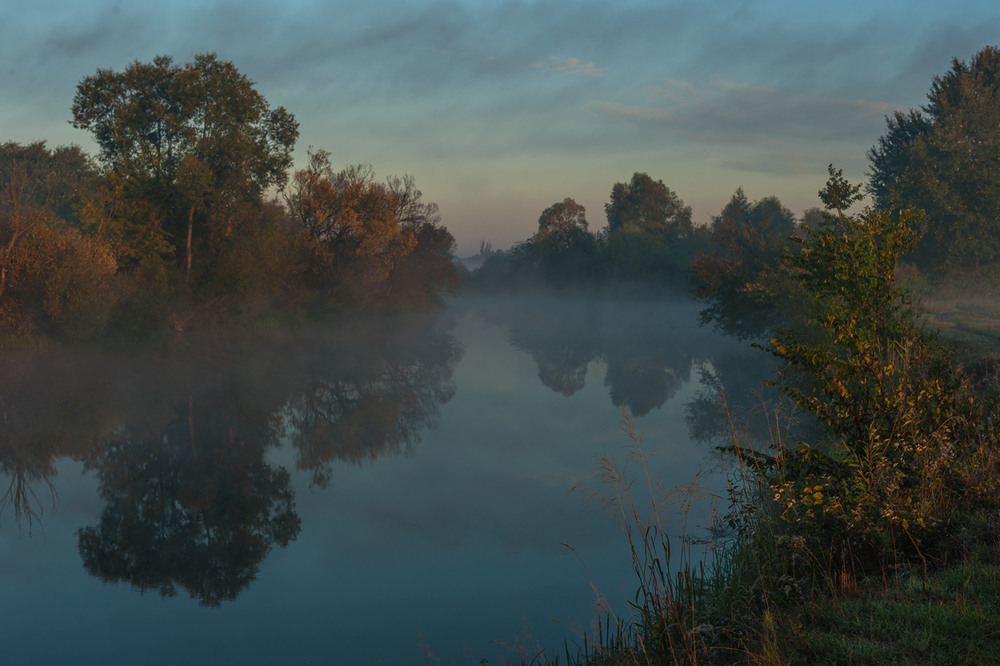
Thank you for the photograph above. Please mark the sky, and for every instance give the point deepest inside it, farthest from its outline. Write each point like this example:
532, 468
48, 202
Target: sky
499, 109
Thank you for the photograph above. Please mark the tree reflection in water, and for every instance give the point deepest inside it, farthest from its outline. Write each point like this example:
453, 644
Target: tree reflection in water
649, 347
179, 439
195, 506
372, 400
51, 406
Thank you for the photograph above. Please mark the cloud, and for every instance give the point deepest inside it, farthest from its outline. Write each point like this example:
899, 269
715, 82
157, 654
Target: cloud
736, 113
570, 66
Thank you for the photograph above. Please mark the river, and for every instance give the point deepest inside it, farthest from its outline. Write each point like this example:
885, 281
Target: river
376, 490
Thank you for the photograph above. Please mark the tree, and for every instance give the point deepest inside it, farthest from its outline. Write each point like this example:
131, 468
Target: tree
35, 184
650, 237
904, 434
368, 241
51, 275
942, 159
839, 194
560, 217
643, 204
196, 140
740, 278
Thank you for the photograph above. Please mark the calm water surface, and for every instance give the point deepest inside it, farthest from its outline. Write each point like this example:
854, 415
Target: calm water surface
379, 490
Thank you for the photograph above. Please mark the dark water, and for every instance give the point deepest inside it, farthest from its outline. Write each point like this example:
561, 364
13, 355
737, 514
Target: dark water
377, 490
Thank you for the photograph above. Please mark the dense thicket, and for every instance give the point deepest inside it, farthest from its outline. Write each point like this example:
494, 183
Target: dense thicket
177, 221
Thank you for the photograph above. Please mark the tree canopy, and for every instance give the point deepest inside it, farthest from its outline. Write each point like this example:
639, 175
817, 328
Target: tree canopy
561, 216
197, 140
644, 204
153, 117
180, 216
942, 158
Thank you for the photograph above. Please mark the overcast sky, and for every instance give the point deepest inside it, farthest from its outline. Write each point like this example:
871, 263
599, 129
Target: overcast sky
500, 108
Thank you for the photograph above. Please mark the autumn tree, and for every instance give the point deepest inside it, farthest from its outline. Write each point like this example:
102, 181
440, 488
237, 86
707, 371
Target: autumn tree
34, 183
51, 275
368, 241
942, 158
198, 142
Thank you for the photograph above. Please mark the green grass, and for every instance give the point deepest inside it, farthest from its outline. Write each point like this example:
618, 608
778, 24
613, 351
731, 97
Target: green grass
968, 320
953, 619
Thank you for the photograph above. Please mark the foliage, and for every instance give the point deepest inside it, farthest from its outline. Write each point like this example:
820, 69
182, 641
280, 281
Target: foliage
69, 276
561, 217
175, 222
643, 204
902, 468
648, 244
650, 236
839, 194
363, 241
942, 159
563, 251
197, 143
52, 277
907, 439
741, 279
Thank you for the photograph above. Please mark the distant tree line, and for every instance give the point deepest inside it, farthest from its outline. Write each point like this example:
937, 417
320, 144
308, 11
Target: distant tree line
188, 214
649, 240
939, 162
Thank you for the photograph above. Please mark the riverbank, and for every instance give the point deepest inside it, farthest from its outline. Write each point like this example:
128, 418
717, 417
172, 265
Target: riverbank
868, 535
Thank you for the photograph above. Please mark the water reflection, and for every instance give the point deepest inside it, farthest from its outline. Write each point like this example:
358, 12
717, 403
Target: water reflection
50, 407
192, 505
263, 467
650, 349
370, 400
179, 439
734, 395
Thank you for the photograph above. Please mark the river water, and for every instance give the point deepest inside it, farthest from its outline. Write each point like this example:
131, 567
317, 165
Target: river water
375, 490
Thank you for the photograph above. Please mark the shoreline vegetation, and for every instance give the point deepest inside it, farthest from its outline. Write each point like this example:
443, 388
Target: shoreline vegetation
863, 520
864, 505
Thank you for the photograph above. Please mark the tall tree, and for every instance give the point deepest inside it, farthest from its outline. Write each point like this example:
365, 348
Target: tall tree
560, 217
942, 158
198, 139
643, 204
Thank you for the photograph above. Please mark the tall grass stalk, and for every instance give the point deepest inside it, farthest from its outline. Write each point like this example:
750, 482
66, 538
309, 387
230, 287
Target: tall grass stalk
665, 623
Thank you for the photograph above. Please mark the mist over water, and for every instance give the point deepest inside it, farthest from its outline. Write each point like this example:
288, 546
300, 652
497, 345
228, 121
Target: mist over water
375, 488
